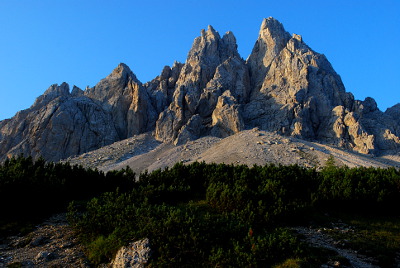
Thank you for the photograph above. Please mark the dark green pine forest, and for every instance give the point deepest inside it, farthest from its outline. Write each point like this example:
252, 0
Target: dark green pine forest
208, 215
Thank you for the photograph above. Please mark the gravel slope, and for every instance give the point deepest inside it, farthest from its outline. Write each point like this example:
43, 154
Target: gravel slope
248, 147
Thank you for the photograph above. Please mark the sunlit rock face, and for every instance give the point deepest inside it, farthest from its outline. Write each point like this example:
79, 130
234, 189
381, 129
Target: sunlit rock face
283, 86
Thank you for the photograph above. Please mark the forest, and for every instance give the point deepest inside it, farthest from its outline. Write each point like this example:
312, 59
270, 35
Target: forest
207, 215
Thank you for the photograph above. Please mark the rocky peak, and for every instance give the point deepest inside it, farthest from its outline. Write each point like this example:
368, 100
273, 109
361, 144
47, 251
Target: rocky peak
230, 40
367, 106
165, 73
110, 88
77, 92
161, 89
272, 29
53, 92
63, 89
122, 71
211, 33
271, 40
209, 51
394, 112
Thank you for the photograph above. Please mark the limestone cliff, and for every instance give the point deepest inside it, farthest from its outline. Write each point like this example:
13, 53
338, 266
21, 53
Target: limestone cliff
59, 124
283, 86
213, 65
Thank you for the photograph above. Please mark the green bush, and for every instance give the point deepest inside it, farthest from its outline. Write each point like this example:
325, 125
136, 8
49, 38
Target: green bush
225, 215
198, 214
30, 190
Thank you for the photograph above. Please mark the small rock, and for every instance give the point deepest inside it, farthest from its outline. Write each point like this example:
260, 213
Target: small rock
39, 241
44, 256
20, 242
27, 264
67, 245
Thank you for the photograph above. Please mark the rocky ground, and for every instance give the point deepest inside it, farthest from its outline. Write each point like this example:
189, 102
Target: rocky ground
51, 244
248, 147
318, 237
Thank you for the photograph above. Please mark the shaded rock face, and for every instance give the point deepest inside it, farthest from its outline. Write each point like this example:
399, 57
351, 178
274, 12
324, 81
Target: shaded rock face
226, 118
60, 124
284, 86
296, 92
56, 126
122, 96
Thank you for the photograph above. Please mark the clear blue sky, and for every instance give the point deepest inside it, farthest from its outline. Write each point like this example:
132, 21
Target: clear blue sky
44, 42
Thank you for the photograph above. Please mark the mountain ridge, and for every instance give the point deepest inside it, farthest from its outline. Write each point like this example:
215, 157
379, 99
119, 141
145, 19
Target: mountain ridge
283, 86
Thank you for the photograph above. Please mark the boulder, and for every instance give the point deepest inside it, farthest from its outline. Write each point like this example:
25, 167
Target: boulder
135, 255
226, 118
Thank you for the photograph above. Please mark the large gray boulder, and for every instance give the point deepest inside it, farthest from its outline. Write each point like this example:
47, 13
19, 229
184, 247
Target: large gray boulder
135, 255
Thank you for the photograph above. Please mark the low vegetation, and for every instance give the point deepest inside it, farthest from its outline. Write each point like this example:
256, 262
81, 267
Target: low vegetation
31, 190
214, 214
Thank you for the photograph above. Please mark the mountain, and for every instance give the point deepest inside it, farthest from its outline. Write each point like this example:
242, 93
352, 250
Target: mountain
283, 87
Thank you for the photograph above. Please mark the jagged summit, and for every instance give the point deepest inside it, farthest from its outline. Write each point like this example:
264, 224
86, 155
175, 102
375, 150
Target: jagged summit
121, 70
283, 87
211, 32
272, 27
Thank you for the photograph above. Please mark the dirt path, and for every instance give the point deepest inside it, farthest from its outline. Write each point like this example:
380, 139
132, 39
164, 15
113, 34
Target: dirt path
317, 238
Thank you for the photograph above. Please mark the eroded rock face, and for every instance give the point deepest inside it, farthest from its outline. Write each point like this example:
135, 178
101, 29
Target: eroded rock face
56, 126
61, 124
271, 40
284, 87
161, 89
226, 118
213, 65
128, 102
297, 90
